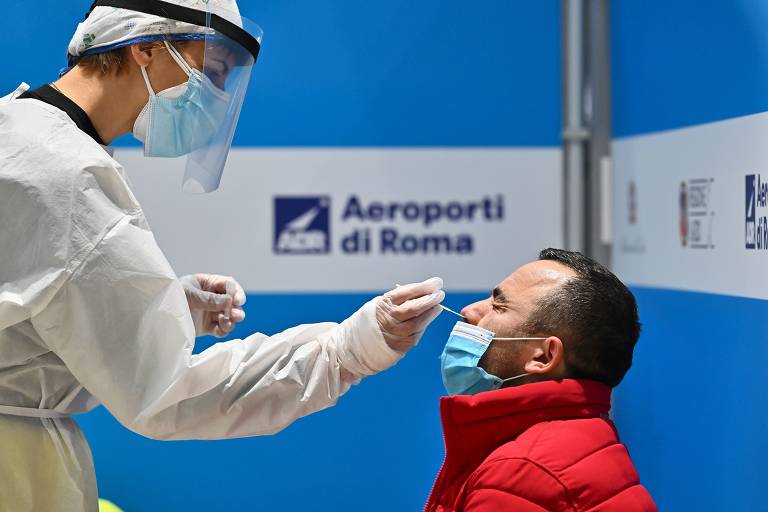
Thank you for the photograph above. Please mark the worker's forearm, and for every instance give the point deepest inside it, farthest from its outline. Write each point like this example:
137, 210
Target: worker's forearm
266, 383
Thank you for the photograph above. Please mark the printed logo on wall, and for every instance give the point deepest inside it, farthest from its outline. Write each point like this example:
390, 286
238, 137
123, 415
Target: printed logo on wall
756, 212
361, 219
632, 240
302, 225
683, 214
696, 213
713, 209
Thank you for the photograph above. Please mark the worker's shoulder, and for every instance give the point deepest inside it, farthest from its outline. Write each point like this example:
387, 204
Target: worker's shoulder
60, 192
33, 129
44, 155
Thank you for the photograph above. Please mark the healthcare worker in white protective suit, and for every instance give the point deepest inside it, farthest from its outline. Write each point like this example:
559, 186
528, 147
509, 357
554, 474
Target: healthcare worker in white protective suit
90, 310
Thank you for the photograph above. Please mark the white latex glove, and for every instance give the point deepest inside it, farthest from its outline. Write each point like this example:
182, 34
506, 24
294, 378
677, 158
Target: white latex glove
405, 312
215, 303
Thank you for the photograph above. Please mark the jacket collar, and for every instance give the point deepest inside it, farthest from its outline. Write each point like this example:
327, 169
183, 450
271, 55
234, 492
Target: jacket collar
474, 425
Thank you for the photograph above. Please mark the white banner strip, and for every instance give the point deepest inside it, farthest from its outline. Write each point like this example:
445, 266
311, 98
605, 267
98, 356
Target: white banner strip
691, 208
321, 220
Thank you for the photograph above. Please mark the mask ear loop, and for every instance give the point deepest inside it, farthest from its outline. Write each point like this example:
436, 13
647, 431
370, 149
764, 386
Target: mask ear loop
175, 56
515, 377
189, 70
146, 81
178, 58
149, 105
518, 339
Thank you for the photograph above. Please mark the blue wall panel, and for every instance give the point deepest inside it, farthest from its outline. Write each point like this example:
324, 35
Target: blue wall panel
692, 409
396, 73
687, 62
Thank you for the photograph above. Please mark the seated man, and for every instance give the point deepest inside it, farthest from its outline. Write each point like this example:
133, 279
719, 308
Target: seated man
531, 373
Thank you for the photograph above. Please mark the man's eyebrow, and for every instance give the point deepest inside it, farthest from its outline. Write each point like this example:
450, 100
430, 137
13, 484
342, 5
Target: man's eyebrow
498, 295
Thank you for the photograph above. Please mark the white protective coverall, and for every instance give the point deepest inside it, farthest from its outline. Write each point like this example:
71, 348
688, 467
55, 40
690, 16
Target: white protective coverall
91, 312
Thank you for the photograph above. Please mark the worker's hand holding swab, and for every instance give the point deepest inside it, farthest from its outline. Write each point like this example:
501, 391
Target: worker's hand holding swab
405, 312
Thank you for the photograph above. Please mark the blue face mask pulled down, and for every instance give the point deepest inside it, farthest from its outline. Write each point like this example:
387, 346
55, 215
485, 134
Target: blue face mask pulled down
466, 345
182, 119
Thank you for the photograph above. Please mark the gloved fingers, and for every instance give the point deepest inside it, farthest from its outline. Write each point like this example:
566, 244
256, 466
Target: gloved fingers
209, 301
413, 308
210, 322
234, 290
414, 327
237, 315
219, 332
218, 325
224, 323
428, 317
224, 285
403, 344
411, 291
212, 282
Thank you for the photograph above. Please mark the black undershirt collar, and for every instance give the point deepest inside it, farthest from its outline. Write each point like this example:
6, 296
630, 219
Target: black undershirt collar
51, 96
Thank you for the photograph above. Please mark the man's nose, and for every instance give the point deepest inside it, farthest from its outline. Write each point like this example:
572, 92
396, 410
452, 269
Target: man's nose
476, 311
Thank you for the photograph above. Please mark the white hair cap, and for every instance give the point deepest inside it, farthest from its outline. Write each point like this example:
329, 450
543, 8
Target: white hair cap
107, 28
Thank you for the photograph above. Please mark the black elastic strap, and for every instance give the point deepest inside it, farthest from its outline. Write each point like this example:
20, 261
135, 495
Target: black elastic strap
51, 96
186, 15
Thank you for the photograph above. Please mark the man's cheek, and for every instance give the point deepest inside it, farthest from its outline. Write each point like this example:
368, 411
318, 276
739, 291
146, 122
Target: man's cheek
487, 322
483, 362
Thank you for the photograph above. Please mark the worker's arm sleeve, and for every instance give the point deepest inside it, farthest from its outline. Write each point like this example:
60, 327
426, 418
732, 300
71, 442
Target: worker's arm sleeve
122, 326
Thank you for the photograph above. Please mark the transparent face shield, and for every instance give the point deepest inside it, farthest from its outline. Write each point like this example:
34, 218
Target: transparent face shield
224, 81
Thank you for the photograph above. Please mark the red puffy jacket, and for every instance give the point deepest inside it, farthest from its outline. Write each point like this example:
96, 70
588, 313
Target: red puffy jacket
546, 446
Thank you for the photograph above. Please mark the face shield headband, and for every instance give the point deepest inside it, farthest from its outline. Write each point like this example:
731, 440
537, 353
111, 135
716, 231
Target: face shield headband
187, 15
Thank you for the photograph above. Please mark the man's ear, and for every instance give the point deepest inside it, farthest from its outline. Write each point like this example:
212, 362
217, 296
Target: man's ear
143, 53
548, 356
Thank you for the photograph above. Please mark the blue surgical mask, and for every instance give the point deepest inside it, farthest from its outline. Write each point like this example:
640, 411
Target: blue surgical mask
466, 345
181, 119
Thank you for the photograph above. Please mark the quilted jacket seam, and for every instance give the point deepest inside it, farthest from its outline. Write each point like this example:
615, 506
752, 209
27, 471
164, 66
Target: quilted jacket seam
533, 442
590, 454
609, 498
538, 465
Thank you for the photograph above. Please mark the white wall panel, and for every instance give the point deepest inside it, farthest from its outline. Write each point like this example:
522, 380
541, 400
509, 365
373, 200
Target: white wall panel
497, 208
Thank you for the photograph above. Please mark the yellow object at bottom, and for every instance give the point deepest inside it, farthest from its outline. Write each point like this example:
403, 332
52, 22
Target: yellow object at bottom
108, 506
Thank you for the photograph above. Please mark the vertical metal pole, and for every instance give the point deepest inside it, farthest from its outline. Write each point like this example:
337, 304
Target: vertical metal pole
599, 162
587, 128
574, 133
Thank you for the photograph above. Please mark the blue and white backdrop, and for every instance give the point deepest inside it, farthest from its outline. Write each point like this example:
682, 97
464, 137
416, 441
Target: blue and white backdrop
382, 142
388, 142
690, 93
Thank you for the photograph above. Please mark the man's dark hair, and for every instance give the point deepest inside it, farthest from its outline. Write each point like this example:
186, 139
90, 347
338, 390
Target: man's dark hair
594, 314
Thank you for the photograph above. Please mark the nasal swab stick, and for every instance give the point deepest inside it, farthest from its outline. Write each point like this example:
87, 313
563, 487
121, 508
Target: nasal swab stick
445, 308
